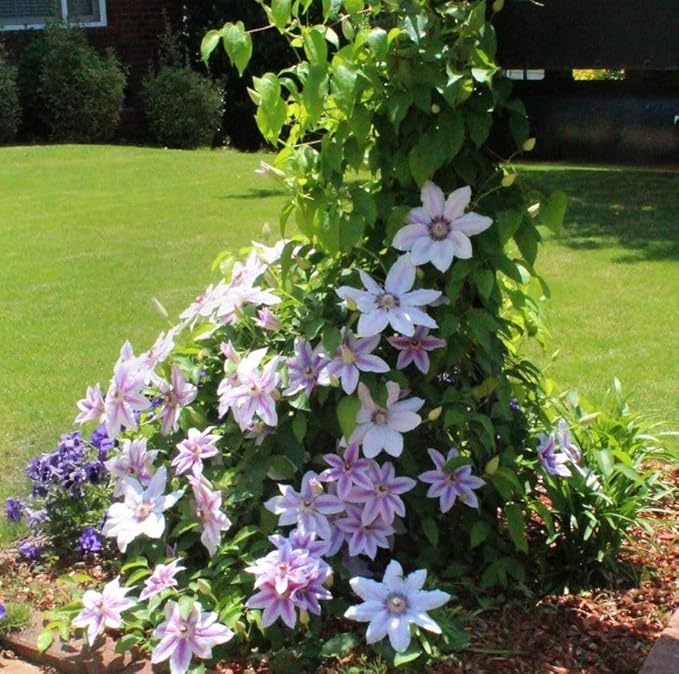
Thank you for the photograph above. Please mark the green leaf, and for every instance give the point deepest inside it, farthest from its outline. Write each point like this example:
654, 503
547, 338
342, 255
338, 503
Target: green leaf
299, 426
343, 84
315, 46
404, 658
208, 43
553, 211
281, 468
507, 224
340, 645
353, 6
271, 110
377, 41
516, 526
237, 44
315, 91
347, 410
479, 533
280, 12
527, 238
485, 282
45, 640
431, 530
127, 642
331, 340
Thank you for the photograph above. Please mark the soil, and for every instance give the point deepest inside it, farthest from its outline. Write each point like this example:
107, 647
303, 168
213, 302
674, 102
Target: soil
604, 631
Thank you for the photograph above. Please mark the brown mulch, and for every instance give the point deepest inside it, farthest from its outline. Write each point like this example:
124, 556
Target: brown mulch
607, 631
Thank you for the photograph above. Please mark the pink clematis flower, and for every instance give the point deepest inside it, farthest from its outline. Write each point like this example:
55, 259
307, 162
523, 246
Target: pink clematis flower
414, 349
395, 304
124, 397
449, 484
304, 368
92, 406
141, 513
380, 428
353, 356
134, 460
162, 578
267, 320
197, 446
364, 539
103, 609
160, 350
212, 519
346, 470
176, 395
390, 607
181, 638
439, 231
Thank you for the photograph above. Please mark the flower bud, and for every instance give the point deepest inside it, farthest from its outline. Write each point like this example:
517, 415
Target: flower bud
508, 180
159, 307
435, 108
534, 209
529, 144
419, 273
493, 465
334, 381
435, 414
330, 581
351, 303
304, 617
498, 5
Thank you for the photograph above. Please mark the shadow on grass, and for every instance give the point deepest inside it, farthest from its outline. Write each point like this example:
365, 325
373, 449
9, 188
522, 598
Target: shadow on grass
633, 209
255, 194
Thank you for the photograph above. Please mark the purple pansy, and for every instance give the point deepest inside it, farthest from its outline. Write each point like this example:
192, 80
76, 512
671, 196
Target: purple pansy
90, 541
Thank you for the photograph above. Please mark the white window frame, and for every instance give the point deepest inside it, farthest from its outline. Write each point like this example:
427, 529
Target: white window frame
103, 19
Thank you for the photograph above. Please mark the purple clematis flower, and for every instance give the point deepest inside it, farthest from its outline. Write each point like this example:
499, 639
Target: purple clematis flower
395, 304
449, 484
392, 605
308, 509
566, 443
414, 349
304, 368
553, 462
197, 446
181, 638
176, 394
141, 512
439, 231
380, 428
134, 460
353, 356
162, 578
92, 406
103, 609
383, 498
364, 539
267, 320
208, 510
124, 397
347, 470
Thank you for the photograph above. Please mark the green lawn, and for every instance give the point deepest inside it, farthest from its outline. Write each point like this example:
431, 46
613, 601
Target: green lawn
89, 234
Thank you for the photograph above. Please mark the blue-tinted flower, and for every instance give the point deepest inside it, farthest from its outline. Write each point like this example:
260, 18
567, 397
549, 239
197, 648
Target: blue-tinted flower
553, 462
3, 611
566, 445
30, 551
449, 484
89, 542
515, 405
162, 578
14, 509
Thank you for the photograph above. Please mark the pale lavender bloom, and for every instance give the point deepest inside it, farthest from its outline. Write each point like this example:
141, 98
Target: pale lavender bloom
346, 470
141, 512
162, 578
238, 295
566, 443
439, 231
392, 605
124, 397
307, 541
197, 446
258, 431
414, 349
213, 520
176, 395
134, 460
205, 303
92, 406
395, 304
271, 254
304, 368
382, 498
181, 638
353, 356
286, 568
160, 350
254, 395
103, 609
449, 484
308, 509
267, 320
228, 350
380, 428
554, 462
364, 539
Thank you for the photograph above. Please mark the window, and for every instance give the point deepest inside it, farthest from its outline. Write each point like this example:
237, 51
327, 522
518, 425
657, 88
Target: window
21, 14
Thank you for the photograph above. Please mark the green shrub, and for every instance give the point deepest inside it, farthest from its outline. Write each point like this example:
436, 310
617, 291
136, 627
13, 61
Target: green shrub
34, 117
9, 101
183, 107
82, 91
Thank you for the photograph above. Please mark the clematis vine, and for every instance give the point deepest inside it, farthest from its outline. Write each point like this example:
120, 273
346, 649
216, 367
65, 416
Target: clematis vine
439, 230
449, 484
141, 513
353, 356
414, 349
308, 509
396, 304
390, 607
103, 609
182, 638
381, 428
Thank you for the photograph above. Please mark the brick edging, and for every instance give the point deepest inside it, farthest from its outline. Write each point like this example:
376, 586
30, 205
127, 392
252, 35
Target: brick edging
664, 656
